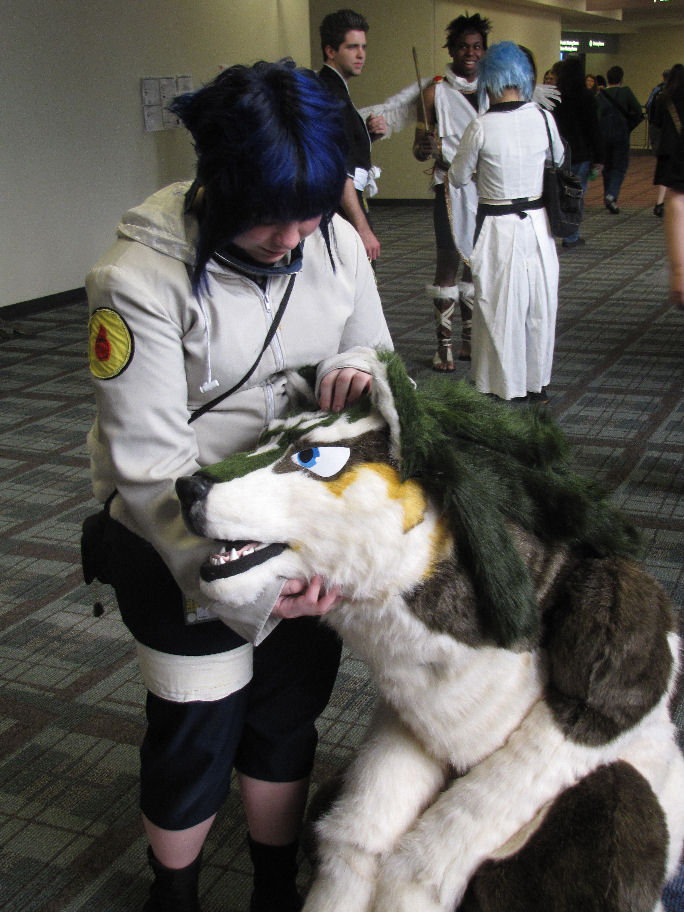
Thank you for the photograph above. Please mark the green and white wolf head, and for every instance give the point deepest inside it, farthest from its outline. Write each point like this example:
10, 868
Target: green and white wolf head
376, 498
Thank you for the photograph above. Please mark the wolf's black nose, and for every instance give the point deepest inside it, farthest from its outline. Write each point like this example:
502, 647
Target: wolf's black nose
192, 488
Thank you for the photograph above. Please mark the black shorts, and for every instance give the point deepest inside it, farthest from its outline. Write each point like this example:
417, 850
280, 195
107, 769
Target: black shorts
266, 730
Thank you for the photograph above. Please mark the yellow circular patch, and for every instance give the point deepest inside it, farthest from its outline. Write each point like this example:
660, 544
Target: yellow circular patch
110, 344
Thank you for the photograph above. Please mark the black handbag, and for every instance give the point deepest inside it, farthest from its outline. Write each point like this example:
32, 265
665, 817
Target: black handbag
562, 194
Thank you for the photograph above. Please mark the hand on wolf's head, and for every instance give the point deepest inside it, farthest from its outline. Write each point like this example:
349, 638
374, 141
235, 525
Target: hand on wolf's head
301, 599
343, 387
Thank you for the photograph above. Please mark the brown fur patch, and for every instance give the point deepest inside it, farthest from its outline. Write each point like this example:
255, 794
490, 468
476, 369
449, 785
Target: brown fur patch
608, 658
601, 848
445, 602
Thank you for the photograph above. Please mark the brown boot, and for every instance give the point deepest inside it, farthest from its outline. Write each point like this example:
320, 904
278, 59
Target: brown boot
444, 300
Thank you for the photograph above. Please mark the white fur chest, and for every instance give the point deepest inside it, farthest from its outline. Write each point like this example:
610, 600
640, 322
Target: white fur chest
461, 701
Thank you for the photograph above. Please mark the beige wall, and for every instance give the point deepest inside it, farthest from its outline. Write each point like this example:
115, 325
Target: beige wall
73, 154
643, 56
389, 67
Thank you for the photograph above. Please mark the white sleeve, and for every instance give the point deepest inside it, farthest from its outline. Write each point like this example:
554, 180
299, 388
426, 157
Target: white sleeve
143, 438
366, 325
464, 163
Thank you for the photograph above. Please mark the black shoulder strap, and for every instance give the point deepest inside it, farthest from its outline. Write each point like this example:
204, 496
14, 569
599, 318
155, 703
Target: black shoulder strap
548, 133
267, 341
675, 116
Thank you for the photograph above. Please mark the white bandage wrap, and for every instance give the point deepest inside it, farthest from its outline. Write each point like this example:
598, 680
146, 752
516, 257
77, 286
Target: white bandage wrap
467, 292
183, 679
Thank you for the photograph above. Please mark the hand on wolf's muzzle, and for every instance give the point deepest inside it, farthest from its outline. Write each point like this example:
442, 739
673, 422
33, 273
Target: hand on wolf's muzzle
301, 599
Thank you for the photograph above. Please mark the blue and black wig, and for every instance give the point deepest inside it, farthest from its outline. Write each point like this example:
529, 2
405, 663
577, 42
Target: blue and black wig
504, 66
270, 148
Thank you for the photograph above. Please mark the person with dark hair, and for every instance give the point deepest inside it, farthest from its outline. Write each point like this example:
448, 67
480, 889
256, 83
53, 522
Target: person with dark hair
577, 121
669, 173
654, 139
551, 75
450, 103
617, 103
188, 367
600, 82
514, 261
343, 42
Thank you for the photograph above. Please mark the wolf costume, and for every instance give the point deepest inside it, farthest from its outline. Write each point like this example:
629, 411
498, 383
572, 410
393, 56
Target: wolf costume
522, 755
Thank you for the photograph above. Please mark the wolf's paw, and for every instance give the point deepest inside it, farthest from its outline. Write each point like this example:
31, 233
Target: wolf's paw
345, 884
406, 896
327, 896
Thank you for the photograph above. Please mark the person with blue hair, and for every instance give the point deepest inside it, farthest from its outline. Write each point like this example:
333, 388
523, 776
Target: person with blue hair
213, 294
514, 260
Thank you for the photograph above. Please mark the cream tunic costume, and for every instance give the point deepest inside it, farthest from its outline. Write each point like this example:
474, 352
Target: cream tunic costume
178, 352
514, 261
454, 112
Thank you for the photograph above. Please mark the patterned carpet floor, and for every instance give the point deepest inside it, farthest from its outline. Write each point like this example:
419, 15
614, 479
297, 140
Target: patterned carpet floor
72, 703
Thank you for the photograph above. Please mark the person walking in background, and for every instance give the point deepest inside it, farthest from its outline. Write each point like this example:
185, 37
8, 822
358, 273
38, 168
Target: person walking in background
654, 139
514, 261
577, 121
451, 103
618, 110
551, 75
669, 173
343, 42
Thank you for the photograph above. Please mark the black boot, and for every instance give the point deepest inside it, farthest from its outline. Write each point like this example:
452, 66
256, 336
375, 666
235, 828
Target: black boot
275, 878
173, 890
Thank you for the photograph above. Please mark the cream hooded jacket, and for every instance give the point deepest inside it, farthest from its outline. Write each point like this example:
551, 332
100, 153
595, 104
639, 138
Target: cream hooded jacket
158, 352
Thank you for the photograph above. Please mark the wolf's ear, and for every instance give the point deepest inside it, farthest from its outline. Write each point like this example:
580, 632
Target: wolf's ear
394, 395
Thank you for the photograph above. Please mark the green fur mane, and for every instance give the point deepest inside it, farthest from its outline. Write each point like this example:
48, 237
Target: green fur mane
487, 463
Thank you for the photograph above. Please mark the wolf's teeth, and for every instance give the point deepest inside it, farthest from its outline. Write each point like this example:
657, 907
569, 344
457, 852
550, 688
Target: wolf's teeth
233, 554
248, 551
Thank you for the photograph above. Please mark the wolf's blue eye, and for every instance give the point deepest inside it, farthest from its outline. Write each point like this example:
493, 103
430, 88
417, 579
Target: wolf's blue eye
323, 461
307, 458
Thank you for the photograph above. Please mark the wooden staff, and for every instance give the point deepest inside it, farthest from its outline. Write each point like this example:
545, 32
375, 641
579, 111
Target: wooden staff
420, 91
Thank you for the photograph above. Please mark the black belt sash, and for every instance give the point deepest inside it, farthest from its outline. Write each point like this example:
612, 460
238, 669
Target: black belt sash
518, 206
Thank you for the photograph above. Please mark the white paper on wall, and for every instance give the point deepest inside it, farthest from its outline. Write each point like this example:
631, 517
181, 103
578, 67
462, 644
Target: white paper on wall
157, 92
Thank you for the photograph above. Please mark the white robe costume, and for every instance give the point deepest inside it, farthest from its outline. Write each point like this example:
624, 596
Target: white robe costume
514, 262
454, 113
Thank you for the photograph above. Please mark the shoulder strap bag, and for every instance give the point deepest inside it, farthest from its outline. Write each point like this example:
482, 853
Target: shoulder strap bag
631, 117
675, 117
562, 193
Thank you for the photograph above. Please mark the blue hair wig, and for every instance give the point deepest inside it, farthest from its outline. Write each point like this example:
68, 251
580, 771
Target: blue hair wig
505, 66
270, 148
